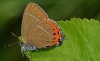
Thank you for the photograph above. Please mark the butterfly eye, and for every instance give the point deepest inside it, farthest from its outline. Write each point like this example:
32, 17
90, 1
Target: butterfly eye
21, 43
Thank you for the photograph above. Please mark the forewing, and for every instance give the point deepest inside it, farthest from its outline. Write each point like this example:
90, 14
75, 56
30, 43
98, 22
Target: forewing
33, 15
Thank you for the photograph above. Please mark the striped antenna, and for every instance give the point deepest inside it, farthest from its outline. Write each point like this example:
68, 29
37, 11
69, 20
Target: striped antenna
14, 34
13, 43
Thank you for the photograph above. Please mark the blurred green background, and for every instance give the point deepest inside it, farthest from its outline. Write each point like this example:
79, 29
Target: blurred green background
11, 12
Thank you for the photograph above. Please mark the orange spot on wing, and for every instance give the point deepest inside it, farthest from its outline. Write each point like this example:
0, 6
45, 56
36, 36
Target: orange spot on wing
56, 36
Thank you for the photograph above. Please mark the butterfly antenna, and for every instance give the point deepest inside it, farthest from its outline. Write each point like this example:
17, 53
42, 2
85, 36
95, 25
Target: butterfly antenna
14, 34
13, 43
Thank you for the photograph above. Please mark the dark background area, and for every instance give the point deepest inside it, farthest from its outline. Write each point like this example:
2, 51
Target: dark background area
11, 12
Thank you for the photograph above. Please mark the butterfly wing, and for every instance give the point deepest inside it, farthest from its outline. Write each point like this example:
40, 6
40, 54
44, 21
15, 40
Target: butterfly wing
30, 21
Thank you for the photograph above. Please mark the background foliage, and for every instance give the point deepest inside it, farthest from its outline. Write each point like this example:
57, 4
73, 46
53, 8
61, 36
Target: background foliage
11, 12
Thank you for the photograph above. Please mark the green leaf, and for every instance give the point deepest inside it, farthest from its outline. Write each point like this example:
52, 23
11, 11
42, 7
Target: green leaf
82, 43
